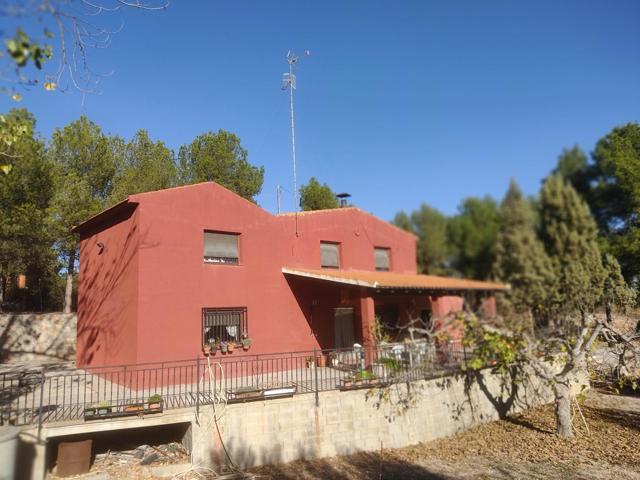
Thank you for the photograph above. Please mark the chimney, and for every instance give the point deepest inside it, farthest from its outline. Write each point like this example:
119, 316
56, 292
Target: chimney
343, 199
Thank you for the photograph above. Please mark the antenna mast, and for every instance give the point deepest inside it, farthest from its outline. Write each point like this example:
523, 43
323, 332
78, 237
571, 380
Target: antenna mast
289, 82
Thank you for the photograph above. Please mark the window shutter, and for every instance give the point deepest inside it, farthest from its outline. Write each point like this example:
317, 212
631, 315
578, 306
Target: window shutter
330, 255
220, 245
381, 258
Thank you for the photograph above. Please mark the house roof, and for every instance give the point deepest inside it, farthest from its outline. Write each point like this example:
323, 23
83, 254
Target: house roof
342, 211
395, 281
103, 215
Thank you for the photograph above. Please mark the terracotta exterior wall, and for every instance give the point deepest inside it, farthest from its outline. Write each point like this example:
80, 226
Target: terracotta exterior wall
108, 292
141, 299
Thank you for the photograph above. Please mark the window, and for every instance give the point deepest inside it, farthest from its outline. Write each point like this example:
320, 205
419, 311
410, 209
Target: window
224, 324
329, 255
221, 248
381, 259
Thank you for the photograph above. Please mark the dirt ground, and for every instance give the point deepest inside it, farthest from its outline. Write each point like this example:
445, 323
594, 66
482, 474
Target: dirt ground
522, 447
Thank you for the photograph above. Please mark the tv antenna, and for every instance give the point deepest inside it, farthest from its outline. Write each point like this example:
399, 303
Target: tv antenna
289, 82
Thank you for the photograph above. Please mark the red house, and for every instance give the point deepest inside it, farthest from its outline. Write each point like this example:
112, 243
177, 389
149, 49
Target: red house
163, 272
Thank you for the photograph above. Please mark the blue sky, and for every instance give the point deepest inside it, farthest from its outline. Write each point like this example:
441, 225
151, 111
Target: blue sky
399, 103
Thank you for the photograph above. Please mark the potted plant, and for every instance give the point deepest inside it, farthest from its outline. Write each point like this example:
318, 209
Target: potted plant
246, 343
321, 360
90, 411
206, 349
347, 381
311, 363
134, 407
223, 347
231, 346
155, 402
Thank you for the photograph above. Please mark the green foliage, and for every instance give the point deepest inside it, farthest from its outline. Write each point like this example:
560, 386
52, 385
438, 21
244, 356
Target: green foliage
12, 128
23, 49
430, 225
219, 157
491, 347
472, 237
520, 259
364, 374
392, 364
155, 398
573, 167
616, 292
570, 237
85, 166
317, 196
143, 166
615, 195
25, 193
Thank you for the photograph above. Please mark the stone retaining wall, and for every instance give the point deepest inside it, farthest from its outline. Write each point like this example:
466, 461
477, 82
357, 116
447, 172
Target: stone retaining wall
345, 422
37, 338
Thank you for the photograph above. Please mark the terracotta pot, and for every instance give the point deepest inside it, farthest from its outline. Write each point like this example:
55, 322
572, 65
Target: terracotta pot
347, 383
206, 349
230, 347
321, 360
155, 406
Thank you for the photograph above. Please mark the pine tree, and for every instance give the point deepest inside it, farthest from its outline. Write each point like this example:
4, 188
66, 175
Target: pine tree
520, 259
616, 292
569, 233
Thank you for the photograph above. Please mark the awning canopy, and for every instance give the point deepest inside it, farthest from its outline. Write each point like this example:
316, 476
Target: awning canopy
395, 281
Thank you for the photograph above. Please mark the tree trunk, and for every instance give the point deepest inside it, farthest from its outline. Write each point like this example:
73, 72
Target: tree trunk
563, 410
607, 310
2, 289
68, 291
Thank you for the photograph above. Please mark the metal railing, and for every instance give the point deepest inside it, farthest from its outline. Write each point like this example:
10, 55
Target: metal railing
38, 396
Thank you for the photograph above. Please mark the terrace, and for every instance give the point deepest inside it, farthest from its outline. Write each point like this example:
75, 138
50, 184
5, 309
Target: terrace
64, 393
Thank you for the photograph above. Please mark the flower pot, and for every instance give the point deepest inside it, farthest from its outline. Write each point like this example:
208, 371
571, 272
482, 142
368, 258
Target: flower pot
103, 411
155, 406
230, 347
245, 347
134, 408
223, 348
89, 412
347, 383
321, 361
206, 349
311, 364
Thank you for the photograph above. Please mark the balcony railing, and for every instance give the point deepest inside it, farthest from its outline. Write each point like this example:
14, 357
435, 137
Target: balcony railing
38, 396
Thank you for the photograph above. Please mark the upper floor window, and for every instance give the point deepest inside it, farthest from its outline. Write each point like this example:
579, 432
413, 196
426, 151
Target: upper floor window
382, 260
329, 255
221, 248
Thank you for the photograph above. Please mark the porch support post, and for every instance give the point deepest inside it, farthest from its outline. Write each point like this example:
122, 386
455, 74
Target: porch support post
367, 322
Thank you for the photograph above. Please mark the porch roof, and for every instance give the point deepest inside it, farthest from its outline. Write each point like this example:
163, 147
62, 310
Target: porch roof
395, 281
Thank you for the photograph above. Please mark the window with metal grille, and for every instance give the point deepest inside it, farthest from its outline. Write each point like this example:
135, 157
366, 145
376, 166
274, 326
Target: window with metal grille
382, 258
329, 255
224, 324
221, 248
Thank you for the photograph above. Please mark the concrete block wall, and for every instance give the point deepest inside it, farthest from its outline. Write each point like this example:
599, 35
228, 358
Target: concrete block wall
284, 430
37, 338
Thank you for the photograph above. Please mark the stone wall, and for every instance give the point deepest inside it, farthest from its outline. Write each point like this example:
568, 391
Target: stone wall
345, 422
38, 338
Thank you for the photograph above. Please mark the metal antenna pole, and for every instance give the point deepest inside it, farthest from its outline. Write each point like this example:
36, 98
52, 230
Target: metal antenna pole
289, 81
278, 197
293, 140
